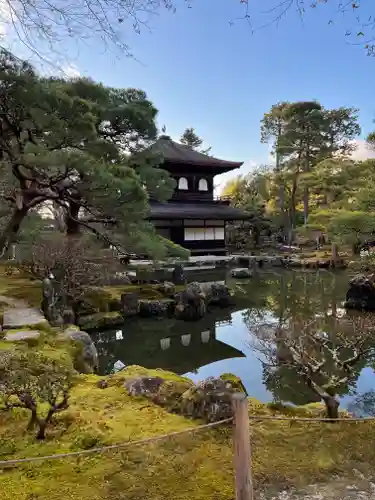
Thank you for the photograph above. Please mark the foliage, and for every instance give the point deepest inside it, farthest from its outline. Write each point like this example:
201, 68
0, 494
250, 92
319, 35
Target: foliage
79, 146
193, 141
303, 134
75, 265
251, 193
314, 186
32, 381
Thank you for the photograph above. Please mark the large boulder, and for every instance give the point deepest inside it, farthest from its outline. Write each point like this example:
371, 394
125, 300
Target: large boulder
167, 289
191, 303
215, 292
86, 359
143, 386
129, 304
210, 400
156, 308
170, 393
361, 293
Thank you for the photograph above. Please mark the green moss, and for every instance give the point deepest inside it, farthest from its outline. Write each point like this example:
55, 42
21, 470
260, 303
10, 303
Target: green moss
235, 381
189, 467
21, 288
101, 320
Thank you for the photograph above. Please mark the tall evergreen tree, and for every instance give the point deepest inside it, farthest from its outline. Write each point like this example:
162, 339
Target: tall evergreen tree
304, 134
193, 141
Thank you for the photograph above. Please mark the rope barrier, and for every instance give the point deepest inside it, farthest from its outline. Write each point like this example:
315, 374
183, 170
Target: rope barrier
173, 434
113, 446
305, 419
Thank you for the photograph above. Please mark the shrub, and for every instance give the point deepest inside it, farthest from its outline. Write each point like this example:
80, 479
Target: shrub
35, 382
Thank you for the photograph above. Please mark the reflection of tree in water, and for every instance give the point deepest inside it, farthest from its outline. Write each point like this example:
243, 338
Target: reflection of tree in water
309, 354
363, 405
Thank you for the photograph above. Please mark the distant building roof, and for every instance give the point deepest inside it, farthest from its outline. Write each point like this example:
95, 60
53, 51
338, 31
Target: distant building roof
179, 153
215, 211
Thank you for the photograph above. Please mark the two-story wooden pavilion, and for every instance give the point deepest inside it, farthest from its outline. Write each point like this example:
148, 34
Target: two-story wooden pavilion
193, 218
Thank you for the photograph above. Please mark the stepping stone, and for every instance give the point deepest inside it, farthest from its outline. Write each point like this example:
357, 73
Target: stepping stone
241, 273
22, 335
16, 318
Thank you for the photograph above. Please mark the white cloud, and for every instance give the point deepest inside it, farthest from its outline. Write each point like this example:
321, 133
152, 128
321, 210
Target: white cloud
362, 151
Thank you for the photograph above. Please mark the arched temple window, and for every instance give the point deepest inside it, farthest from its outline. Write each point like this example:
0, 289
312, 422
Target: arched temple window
183, 184
203, 185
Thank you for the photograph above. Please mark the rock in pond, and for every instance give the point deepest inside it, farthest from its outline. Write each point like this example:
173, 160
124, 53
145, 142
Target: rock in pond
361, 293
156, 308
242, 272
167, 288
129, 304
192, 302
216, 292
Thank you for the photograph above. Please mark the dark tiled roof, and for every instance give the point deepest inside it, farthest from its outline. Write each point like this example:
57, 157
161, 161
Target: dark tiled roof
179, 153
214, 211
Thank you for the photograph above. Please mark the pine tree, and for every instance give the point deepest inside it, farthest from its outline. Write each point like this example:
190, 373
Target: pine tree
193, 141
79, 145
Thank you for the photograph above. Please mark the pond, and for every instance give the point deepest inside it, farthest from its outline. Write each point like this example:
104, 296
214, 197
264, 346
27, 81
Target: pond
223, 341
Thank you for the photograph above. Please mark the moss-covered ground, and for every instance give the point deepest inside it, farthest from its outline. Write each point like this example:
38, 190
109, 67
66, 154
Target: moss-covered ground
194, 466
19, 287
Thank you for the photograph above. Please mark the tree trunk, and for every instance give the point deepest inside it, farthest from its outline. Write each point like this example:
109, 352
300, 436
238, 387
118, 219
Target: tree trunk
334, 255
72, 226
356, 248
305, 205
11, 230
293, 203
42, 423
332, 407
33, 420
42, 429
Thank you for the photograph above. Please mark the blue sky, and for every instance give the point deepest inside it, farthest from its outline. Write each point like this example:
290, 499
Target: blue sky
202, 72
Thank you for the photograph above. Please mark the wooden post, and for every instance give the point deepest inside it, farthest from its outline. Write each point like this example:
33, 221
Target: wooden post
242, 448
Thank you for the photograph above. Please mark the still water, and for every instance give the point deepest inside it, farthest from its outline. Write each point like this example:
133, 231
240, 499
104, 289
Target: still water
223, 341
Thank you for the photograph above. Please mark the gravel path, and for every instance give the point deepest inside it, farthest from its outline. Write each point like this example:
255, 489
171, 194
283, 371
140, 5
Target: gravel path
358, 488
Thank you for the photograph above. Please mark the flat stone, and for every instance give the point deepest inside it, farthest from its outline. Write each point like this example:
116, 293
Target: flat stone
16, 318
22, 335
241, 273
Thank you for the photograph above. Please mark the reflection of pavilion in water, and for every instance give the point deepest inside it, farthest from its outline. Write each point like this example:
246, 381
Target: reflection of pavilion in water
172, 345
